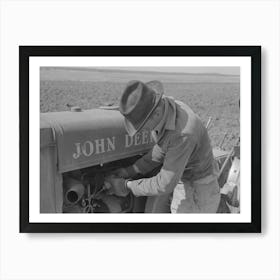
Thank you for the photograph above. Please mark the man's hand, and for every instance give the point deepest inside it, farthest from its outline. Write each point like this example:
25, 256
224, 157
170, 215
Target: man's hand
116, 185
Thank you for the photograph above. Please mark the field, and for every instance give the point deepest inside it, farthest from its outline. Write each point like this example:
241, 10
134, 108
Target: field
209, 95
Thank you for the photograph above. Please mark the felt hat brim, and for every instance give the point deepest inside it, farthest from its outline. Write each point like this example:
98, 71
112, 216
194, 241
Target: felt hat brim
158, 88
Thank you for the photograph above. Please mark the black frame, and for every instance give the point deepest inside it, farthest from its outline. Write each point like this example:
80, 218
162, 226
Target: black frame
251, 51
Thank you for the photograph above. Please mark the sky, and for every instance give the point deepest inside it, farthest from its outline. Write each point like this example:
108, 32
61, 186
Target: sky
219, 70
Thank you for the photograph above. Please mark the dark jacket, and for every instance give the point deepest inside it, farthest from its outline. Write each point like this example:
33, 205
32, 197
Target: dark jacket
182, 146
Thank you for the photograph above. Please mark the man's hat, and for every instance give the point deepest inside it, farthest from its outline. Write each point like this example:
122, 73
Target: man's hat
138, 102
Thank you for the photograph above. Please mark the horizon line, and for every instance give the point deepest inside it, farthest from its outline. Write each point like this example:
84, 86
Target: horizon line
104, 69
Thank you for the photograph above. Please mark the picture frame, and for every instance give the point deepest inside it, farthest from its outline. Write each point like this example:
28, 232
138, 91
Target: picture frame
28, 54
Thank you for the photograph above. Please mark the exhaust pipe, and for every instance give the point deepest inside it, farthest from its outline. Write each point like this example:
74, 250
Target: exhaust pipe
74, 191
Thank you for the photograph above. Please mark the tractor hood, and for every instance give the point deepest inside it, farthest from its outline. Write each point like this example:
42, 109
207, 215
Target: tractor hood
90, 137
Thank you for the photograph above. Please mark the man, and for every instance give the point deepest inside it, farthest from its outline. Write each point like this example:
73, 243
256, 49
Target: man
188, 176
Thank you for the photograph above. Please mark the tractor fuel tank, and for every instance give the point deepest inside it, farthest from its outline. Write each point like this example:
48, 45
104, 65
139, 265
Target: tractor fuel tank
90, 137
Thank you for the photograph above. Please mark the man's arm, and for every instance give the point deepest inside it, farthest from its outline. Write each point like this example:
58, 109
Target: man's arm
149, 161
178, 153
144, 165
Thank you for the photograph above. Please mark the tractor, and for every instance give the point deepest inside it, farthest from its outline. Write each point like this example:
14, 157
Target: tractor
78, 148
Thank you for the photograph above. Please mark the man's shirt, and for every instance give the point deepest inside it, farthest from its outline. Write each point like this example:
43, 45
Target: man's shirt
182, 147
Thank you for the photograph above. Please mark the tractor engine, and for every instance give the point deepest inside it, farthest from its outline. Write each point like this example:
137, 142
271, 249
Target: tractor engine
83, 191
78, 149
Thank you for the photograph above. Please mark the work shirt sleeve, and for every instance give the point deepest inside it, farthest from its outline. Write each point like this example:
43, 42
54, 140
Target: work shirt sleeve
151, 160
178, 153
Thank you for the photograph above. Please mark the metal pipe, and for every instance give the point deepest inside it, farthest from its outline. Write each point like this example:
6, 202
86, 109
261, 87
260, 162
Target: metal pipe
74, 191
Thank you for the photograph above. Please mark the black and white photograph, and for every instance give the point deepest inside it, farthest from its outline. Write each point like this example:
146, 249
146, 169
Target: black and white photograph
133, 138
139, 140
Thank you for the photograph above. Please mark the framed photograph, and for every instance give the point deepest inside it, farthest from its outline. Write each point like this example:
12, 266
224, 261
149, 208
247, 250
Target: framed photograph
140, 138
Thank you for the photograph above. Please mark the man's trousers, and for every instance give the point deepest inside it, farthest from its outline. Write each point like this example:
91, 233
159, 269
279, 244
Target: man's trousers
199, 196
